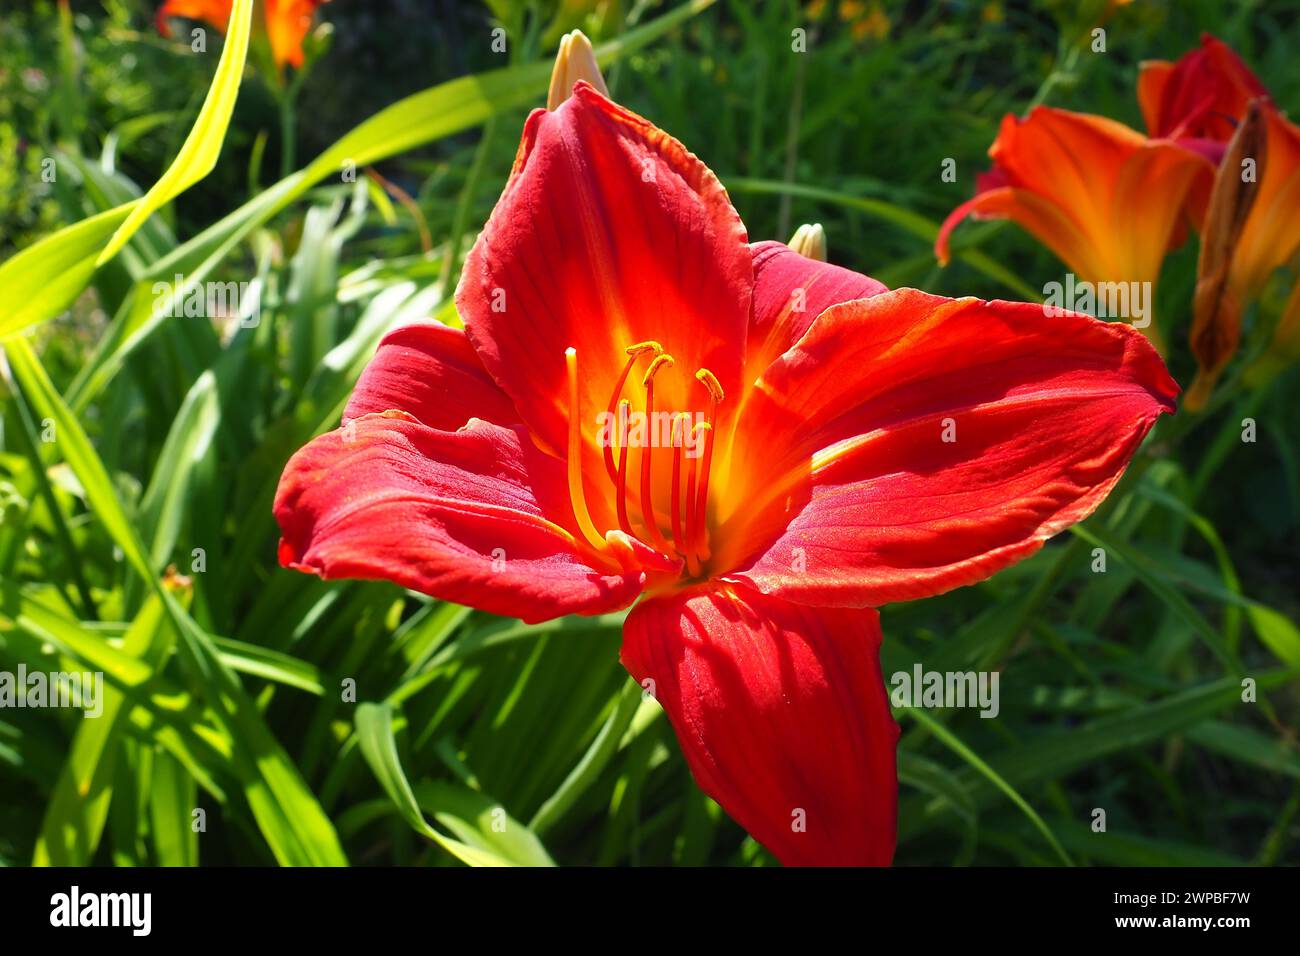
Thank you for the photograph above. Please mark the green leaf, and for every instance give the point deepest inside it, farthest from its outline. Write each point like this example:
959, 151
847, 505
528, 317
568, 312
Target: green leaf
172, 801
482, 822
198, 155
953, 743
1053, 755
374, 727
42, 280
78, 807
593, 761
45, 278
296, 828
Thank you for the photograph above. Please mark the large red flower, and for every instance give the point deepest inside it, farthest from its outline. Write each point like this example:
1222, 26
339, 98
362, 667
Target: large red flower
822, 446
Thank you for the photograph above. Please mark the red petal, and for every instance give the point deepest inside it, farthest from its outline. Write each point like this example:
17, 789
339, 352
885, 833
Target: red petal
1045, 413
468, 516
790, 291
609, 233
1201, 96
431, 372
782, 714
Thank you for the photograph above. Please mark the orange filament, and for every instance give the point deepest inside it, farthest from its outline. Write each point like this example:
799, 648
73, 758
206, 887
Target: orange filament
633, 352
620, 480
647, 506
679, 441
697, 542
692, 516
577, 495
689, 504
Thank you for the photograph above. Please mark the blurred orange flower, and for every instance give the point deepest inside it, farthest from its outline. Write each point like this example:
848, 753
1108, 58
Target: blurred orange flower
1106, 199
287, 22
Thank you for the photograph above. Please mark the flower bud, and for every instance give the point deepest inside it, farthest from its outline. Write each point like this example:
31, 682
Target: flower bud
575, 60
809, 240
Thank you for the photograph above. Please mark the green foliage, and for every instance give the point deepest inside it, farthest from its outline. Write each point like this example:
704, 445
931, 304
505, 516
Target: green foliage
317, 722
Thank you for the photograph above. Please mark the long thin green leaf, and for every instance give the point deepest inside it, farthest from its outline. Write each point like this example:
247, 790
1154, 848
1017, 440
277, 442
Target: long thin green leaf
291, 818
374, 728
198, 155
954, 743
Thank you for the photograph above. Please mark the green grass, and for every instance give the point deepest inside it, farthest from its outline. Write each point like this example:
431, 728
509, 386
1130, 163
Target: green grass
316, 722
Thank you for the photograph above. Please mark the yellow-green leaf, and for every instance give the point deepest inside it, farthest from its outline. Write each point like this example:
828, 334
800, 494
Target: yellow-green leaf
198, 154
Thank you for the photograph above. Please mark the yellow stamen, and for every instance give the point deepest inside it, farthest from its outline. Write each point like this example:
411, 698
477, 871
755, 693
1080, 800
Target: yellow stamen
634, 352
680, 422
620, 480
647, 505
659, 362
577, 494
696, 492
692, 562
710, 381
698, 540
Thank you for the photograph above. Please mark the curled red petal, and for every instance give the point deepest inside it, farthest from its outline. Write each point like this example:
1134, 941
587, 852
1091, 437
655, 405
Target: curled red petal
431, 372
931, 442
477, 516
790, 291
782, 714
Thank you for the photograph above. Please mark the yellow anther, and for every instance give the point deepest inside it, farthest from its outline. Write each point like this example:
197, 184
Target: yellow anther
659, 362
710, 381
650, 345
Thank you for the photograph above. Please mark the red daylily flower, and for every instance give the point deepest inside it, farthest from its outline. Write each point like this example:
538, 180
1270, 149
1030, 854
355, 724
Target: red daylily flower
287, 22
847, 446
1199, 99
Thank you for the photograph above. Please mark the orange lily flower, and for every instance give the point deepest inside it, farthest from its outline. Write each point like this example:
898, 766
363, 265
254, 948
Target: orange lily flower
1199, 99
1106, 199
287, 22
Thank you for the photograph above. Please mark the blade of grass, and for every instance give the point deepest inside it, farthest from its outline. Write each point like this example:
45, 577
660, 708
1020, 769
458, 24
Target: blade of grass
953, 743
